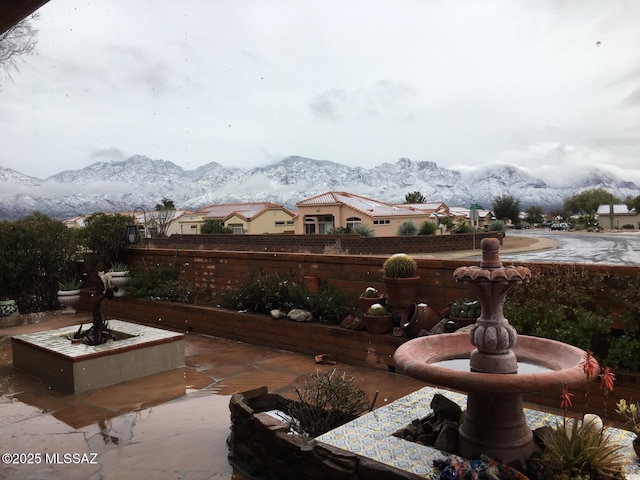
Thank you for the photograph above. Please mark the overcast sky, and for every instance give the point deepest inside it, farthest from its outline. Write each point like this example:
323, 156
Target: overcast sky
551, 86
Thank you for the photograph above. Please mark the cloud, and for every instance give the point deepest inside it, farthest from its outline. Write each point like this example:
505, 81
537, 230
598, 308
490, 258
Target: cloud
112, 154
385, 97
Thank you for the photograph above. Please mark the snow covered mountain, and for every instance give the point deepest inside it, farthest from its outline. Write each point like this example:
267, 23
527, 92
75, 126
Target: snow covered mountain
141, 181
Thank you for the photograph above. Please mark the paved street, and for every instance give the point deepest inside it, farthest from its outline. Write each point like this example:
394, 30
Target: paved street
613, 248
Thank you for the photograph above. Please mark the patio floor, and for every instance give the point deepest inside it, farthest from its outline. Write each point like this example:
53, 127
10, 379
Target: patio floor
174, 425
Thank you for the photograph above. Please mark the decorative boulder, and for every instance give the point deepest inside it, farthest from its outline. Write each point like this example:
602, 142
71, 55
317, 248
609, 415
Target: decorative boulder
299, 315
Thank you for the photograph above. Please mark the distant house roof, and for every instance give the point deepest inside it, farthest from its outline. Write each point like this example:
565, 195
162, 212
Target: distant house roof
617, 210
246, 211
466, 212
364, 205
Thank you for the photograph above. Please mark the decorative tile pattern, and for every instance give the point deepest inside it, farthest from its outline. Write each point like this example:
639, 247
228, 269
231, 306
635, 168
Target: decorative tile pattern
371, 435
58, 341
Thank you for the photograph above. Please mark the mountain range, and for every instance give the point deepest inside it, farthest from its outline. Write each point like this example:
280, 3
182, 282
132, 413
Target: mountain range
141, 181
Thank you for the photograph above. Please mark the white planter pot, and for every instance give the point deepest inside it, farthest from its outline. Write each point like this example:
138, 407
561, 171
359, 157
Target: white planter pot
69, 299
8, 307
119, 280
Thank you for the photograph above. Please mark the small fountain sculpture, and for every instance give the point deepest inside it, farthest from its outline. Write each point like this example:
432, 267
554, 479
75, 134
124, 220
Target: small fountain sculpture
494, 422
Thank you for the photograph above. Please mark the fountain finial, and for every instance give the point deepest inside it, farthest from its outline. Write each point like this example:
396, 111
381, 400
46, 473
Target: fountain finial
492, 335
490, 258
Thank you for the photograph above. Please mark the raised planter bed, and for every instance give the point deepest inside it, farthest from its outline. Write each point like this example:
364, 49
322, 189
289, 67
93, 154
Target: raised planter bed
137, 352
343, 345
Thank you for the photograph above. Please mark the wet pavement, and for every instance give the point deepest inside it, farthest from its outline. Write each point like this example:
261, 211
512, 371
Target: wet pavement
171, 425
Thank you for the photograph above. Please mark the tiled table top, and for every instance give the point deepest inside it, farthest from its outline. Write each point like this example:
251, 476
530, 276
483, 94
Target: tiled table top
58, 341
371, 435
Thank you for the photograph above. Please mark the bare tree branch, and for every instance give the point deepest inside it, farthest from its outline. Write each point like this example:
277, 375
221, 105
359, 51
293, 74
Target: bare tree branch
17, 42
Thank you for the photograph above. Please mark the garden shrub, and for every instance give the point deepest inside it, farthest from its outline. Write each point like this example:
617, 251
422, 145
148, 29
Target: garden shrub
159, 282
428, 227
264, 292
560, 303
407, 228
36, 252
326, 401
624, 349
627, 226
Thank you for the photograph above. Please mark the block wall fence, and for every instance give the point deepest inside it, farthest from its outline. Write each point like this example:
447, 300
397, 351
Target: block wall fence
218, 271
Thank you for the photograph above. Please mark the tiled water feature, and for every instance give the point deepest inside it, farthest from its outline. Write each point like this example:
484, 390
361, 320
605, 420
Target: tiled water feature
139, 351
371, 435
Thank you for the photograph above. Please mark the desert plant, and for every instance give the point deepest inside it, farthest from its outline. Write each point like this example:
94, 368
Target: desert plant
631, 413
428, 227
326, 401
496, 226
70, 284
370, 292
461, 226
399, 265
576, 451
119, 267
363, 230
407, 228
377, 310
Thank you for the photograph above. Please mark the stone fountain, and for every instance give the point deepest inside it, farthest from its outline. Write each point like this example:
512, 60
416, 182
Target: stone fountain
494, 423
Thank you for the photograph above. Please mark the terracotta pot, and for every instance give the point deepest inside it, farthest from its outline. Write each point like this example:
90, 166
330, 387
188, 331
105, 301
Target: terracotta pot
418, 316
378, 324
401, 292
366, 302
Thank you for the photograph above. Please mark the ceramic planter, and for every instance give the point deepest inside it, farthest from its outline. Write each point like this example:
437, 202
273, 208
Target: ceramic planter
119, 280
417, 317
401, 292
69, 298
378, 324
8, 307
365, 302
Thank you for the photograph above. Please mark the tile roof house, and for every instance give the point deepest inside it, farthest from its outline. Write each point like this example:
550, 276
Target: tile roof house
615, 216
242, 218
321, 213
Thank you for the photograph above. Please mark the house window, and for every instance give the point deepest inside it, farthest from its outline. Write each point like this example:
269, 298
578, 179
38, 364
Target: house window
237, 228
385, 221
310, 226
280, 223
289, 223
353, 222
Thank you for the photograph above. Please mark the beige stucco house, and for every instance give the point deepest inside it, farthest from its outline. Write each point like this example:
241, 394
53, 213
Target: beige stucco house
615, 216
242, 218
320, 213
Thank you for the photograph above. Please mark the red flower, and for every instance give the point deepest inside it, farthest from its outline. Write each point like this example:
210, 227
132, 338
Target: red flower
565, 398
589, 364
607, 377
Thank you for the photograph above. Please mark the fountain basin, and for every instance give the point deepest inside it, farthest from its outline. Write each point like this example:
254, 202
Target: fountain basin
416, 357
139, 351
494, 422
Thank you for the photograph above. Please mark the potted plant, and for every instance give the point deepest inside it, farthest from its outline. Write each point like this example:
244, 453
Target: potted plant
69, 294
118, 277
631, 413
401, 281
369, 297
378, 319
